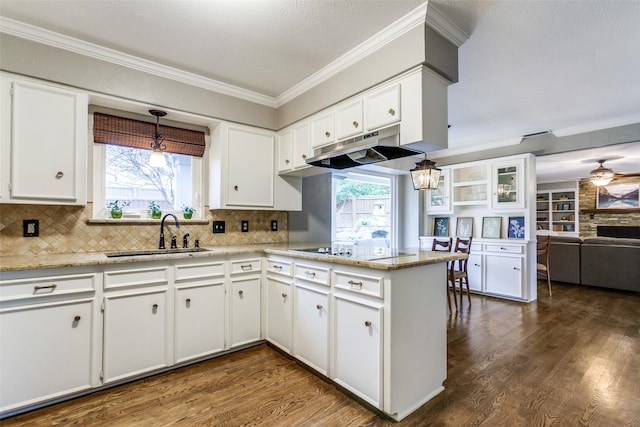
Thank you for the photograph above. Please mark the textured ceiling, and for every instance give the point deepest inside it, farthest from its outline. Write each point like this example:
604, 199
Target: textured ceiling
528, 66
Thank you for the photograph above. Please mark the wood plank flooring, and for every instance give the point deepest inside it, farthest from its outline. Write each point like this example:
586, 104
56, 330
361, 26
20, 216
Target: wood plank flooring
569, 360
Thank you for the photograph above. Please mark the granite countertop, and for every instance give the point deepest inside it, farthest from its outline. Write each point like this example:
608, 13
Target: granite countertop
380, 261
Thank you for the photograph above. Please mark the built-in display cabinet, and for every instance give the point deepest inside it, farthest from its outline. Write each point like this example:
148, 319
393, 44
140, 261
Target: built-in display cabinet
557, 211
495, 199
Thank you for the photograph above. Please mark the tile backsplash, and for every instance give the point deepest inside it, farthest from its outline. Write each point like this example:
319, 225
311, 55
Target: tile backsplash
64, 229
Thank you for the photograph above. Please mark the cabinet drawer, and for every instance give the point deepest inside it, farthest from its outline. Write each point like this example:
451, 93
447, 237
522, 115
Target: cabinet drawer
139, 277
510, 249
199, 271
476, 247
313, 274
370, 285
46, 286
279, 267
246, 266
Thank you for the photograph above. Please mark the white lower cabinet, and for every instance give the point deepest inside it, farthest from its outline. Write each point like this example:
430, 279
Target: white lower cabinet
199, 310
279, 312
46, 330
358, 348
504, 275
245, 301
474, 272
135, 321
311, 326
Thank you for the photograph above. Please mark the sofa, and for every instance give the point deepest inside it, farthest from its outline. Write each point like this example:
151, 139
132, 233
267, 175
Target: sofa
606, 262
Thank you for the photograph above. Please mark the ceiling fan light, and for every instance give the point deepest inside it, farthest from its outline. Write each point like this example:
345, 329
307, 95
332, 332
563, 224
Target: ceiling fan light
601, 176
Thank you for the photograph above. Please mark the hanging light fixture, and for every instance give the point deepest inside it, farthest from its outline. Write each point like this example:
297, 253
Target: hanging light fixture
157, 159
601, 176
425, 175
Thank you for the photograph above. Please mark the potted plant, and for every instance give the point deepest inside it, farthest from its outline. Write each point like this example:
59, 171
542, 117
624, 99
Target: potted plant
187, 212
154, 209
116, 208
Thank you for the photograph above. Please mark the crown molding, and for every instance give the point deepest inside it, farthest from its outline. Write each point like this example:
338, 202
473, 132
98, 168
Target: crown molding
61, 41
605, 124
445, 27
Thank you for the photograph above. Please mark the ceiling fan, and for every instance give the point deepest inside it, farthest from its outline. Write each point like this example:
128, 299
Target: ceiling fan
603, 176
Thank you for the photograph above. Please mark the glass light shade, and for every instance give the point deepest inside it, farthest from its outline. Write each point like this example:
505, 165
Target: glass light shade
425, 175
157, 160
601, 175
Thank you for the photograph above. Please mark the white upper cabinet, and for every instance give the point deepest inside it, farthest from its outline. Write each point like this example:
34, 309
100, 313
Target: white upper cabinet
349, 120
44, 144
285, 151
322, 132
242, 167
301, 146
508, 184
382, 107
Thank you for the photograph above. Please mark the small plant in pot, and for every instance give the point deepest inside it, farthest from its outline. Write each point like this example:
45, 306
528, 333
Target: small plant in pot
116, 208
154, 209
187, 212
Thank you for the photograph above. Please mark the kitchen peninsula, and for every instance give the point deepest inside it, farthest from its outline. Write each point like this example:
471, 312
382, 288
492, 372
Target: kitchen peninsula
374, 325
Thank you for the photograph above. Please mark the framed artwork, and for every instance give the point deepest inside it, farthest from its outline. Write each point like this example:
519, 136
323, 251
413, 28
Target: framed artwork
491, 226
516, 227
618, 196
464, 227
441, 226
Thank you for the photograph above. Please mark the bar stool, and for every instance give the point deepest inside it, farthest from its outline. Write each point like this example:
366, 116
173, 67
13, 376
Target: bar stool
542, 264
460, 274
445, 246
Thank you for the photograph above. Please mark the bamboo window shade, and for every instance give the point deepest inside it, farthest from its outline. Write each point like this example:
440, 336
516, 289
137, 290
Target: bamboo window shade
108, 129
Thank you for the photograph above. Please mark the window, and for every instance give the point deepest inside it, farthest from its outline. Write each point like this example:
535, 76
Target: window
364, 209
122, 172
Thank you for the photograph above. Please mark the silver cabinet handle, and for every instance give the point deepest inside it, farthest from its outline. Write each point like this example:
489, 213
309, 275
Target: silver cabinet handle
277, 267
355, 124
310, 274
319, 307
367, 323
154, 308
392, 112
516, 268
188, 301
235, 187
284, 295
287, 161
39, 288
59, 175
355, 285
241, 293
304, 156
477, 265
246, 267
76, 319
503, 249
327, 134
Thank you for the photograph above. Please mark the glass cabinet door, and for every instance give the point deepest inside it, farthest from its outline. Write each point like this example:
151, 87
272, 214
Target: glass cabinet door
439, 199
508, 185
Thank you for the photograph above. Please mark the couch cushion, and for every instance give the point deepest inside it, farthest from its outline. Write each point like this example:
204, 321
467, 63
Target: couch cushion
611, 241
611, 263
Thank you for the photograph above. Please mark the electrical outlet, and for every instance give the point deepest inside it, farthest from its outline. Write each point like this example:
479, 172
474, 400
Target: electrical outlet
245, 226
218, 226
274, 225
30, 227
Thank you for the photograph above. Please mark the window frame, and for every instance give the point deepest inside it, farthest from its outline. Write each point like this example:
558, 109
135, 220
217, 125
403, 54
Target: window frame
100, 211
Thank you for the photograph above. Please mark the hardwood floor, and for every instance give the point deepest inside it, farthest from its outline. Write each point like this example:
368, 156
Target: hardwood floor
569, 360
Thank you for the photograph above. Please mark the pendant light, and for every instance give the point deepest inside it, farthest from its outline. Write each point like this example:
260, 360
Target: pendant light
425, 175
157, 159
601, 176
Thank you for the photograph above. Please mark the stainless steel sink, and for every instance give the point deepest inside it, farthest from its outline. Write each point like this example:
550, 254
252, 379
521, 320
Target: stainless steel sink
141, 252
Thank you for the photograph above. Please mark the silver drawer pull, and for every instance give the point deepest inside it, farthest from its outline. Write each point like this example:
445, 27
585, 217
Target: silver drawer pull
327, 134
355, 124
304, 156
277, 267
516, 268
319, 307
241, 293
39, 288
76, 319
477, 265
246, 267
284, 295
310, 274
287, 161
59, 175
154, 308
503, 249
392, 112
188, 301
367, 323
355, 285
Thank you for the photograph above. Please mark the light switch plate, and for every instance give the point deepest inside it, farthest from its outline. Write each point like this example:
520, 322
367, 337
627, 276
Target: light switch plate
274, 225
245, 226
218, 226
30, 228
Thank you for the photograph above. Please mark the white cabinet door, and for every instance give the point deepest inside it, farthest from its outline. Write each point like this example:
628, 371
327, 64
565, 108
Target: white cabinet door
45, 138
311, 327
135, 334
250, 162
199, 321
358, 349
508, 185
349, 120
279, 312
322, 132
474, 272
245, 310
382, 107
504, 275
285, 151
301, 146
46, 352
